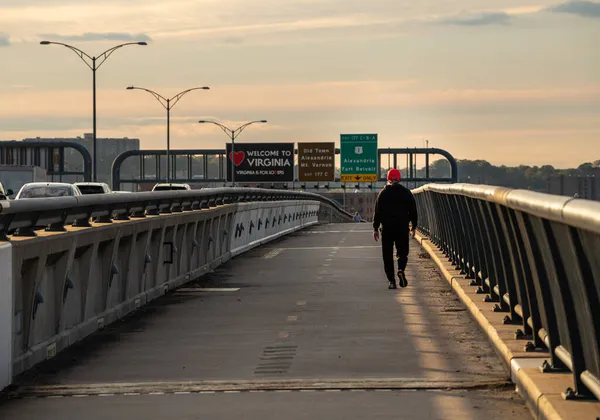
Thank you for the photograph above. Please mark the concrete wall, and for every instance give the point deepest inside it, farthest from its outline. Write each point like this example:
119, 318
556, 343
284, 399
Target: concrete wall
69, 284
6, 316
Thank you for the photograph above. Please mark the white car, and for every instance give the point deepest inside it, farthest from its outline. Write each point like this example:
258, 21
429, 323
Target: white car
47, 190
92, 188
171, 187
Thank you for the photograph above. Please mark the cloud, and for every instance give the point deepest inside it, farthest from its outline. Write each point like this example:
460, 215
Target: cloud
98, 36
233, 40
264, 99
580, 8
490, 18
4, 40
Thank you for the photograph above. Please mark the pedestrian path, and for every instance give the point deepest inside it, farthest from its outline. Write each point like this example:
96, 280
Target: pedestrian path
304, 327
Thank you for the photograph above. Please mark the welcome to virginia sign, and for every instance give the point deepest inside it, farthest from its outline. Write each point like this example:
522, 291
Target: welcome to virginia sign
261, 162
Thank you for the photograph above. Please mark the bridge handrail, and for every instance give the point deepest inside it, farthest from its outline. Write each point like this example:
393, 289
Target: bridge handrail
538, 256
55, 212
576, 212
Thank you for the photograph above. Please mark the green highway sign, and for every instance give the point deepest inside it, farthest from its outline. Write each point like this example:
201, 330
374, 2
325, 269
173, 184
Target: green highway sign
358, 155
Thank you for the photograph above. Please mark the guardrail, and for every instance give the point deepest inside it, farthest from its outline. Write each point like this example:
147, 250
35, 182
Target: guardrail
62, 283
536, 255
22, 217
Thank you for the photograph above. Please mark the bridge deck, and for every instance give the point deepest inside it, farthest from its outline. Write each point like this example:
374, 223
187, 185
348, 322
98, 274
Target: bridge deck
312, 312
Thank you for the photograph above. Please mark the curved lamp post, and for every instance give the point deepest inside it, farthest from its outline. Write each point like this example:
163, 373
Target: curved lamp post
168, 103
232, 133
94, 64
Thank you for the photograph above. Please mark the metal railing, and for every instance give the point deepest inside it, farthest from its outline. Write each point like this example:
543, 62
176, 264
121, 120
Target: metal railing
23, 217
537, 256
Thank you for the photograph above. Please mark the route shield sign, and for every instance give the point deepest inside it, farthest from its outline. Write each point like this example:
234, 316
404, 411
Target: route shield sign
261, 162
358, 158
316, 162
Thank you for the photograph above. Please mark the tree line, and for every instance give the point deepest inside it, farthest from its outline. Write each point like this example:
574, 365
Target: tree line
523, 176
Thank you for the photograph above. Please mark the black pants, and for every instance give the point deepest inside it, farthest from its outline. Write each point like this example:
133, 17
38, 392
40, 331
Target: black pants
391, 236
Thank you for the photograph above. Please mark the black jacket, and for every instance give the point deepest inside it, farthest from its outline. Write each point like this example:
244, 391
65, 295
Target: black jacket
395, 207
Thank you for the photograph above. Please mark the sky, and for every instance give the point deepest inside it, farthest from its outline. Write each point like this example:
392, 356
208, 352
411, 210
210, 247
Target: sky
509, 81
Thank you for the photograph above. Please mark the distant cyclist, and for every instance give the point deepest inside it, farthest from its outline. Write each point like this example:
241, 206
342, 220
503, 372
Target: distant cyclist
395, 207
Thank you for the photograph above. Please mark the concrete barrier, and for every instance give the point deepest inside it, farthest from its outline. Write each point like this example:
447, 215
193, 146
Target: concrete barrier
59, 287
6, 316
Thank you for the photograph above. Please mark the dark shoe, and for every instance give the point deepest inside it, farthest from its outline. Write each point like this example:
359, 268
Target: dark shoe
392, 285
402, 277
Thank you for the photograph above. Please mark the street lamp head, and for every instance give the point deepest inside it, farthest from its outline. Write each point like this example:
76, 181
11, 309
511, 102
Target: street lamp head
45, 42
203, 121
142, 43
205, 88
263, 121
130, 87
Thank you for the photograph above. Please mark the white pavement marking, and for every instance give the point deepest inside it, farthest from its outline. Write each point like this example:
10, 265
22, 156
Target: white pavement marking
273, 253
301, 302
334, 247
292, 318
207, 289
335, 231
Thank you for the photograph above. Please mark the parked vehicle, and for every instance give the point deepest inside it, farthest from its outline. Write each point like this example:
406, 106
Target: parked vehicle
47, 190
171, 187
93, 188
5, 193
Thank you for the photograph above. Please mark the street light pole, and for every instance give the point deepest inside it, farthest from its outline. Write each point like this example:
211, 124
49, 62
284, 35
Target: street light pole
232, 158
232, 133
169, 141
93, 66
168, 104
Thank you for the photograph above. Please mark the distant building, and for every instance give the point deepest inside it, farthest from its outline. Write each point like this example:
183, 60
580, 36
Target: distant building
14, 177
352, 200
586, 187
107, 149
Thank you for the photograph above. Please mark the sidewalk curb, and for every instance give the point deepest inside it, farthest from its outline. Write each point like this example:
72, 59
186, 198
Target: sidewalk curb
541, 394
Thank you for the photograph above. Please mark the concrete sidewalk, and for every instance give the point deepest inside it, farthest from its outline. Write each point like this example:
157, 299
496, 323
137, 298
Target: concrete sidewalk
541, 391
303, 328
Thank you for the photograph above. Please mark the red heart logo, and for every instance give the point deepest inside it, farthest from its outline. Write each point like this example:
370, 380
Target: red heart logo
238, 159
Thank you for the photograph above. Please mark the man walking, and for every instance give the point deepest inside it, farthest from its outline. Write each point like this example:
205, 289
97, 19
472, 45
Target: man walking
395, 207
